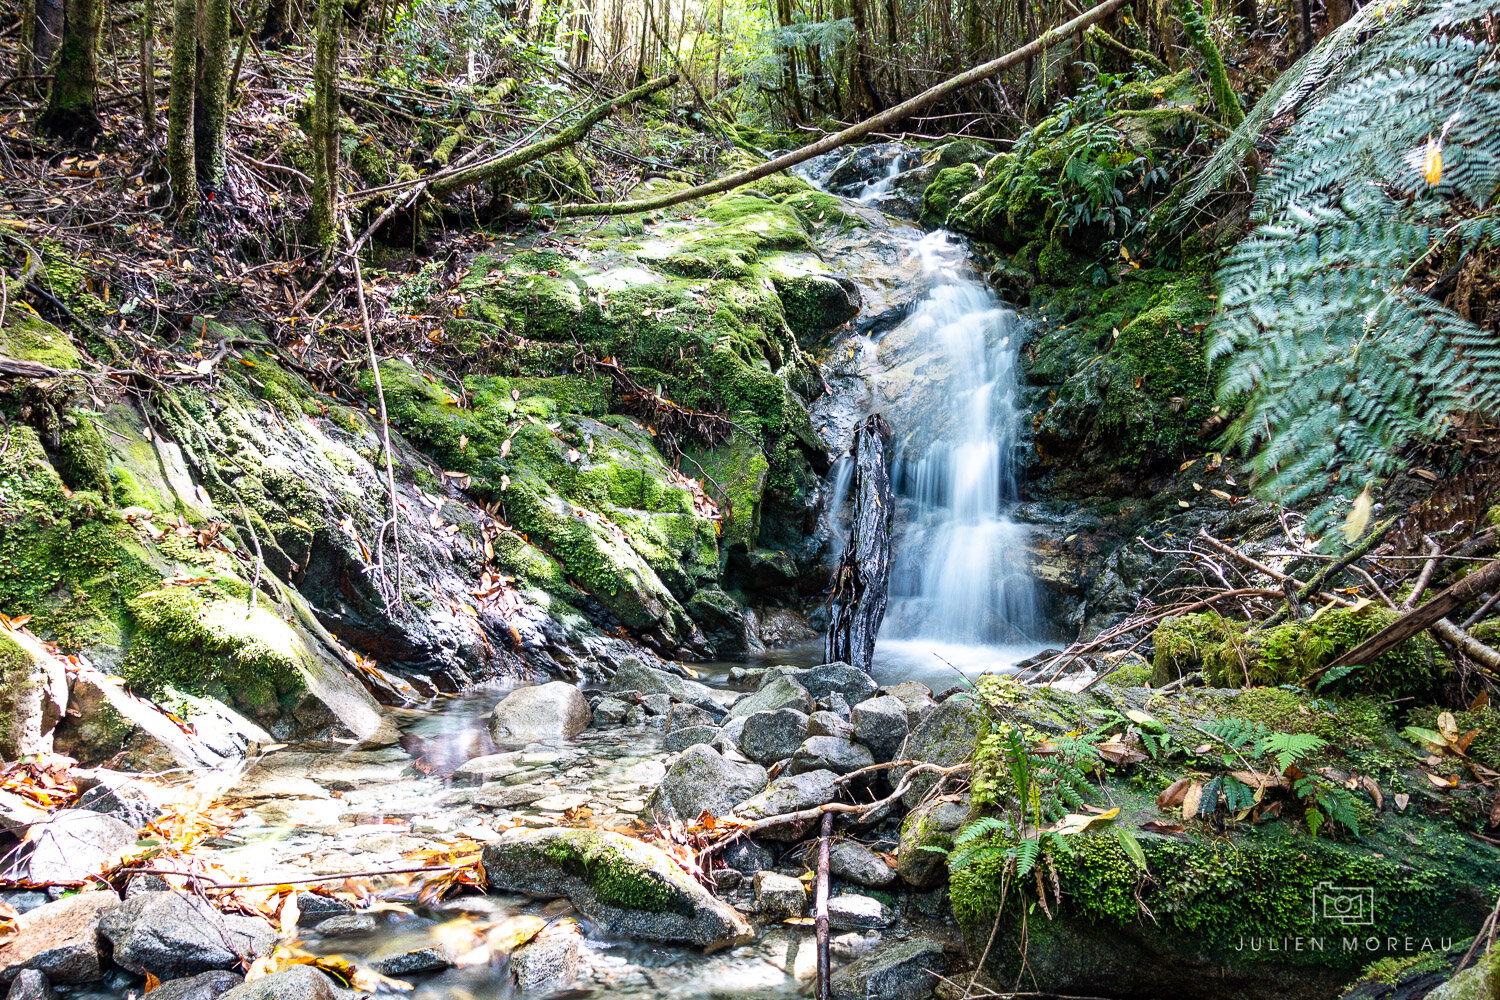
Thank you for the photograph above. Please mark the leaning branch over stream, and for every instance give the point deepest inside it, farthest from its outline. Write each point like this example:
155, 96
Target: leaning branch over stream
858, 130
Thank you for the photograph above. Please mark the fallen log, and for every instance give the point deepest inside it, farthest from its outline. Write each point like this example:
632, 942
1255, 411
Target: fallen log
858, 130
498, 166
1438, 608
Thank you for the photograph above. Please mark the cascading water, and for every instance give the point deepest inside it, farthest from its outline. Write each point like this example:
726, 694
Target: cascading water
961, 590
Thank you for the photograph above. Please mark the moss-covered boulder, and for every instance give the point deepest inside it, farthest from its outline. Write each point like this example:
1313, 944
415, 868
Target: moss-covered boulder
1230, 653
33, 694
1218, 898
28, 337
628, 888
950, 184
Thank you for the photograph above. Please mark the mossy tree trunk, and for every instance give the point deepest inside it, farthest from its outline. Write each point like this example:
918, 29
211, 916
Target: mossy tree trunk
273, 27
211, 96
181, 161
1196, 28
325, 123
70, 111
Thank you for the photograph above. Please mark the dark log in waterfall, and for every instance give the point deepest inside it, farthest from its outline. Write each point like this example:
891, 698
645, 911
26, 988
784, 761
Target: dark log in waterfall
857, 602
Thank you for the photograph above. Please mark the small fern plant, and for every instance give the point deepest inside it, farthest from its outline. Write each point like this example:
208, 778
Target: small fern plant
1249, 743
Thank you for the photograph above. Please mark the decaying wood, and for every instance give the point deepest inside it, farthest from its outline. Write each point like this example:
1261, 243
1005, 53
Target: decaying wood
1470, 587
906, 109
857, 601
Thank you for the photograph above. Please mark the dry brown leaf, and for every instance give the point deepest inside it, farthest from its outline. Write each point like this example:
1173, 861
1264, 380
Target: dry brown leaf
1172, 796
1191, 800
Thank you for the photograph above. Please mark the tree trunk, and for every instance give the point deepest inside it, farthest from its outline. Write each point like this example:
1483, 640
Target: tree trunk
856, 606
211, 97
1196, 29
325, 124
181, 162
273, 27
148, 70
70, 111
46, 34
863, 71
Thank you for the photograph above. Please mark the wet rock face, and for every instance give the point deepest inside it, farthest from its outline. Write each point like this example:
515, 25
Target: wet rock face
628, 888
204, 986
72, 845
301, 982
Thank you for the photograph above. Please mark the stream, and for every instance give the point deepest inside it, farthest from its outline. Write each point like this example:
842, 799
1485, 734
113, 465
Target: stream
936, 353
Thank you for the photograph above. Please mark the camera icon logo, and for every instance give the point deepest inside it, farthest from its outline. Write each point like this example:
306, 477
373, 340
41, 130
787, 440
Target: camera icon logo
1350, 905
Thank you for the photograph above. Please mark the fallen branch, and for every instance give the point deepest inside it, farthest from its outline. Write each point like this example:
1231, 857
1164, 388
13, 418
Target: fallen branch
859, 130
1470, 587
820, 908
1312, 586
452, 180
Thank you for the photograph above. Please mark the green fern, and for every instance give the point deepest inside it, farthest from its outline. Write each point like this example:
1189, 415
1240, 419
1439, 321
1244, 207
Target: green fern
1339, 359
1289, 748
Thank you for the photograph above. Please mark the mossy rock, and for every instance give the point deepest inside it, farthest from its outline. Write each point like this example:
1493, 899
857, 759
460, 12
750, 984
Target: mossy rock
28, 337
207, 640
627, 888
950, 185
1230, 654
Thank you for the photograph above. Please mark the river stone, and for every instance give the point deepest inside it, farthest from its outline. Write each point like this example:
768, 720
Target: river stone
169, 935
610, 711
787, 794
880, 724
347, 925
851, 683
703, 780
838, 705
906, 970
853, 912
632, 675
59, 939
122, 796
547, 710
946, 737
931, 824
856, 863
486, 768
747, 856
499, 795
917, 697
30, 985
204, 986
729, 736
776, 692
826, 723
772, 736
314, 908
687, 736
72, 845
627, 888
682, 715
829, 753
548, 961
779, 896
300, 982
433, 958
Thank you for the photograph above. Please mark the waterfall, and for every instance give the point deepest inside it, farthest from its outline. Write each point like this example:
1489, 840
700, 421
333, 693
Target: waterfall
961, 590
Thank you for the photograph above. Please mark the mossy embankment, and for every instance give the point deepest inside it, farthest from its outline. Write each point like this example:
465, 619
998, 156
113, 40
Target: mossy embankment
645, 427
1227, 894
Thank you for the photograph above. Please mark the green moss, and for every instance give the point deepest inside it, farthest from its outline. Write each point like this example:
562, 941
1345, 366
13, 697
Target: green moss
28, 337
289, 393
1258, 885
65, 560
1131, 675
950, 185
617, 880
205, 640
1181, 643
